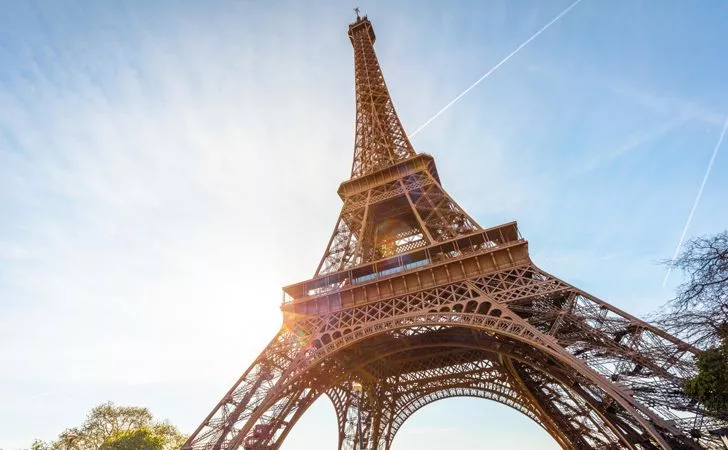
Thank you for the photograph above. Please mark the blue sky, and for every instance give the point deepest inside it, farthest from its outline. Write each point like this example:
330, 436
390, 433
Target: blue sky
165, 167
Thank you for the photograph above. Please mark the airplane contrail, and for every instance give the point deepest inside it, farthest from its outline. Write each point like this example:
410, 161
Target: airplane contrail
502, 61
697, 200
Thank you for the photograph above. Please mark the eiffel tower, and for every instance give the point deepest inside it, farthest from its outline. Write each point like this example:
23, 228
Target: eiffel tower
414, 302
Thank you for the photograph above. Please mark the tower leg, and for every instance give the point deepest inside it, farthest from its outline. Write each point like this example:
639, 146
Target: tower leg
256, 412
359, 416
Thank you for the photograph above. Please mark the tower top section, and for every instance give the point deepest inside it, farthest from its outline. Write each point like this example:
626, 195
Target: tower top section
364, 23
380, 140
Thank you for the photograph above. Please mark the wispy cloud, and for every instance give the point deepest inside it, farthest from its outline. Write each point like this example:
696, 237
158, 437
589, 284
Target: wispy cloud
637, 140
150, 204
149, 208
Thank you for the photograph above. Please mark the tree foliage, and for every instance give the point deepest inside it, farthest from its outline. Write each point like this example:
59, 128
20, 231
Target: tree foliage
710, 386
139, 439
699, 314
40, 445
116, 427
699, 311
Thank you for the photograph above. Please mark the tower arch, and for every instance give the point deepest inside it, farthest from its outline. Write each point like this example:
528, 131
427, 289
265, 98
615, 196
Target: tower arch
425, 401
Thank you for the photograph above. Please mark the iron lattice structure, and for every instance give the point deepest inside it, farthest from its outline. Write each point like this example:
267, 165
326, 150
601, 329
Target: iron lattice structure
414, 302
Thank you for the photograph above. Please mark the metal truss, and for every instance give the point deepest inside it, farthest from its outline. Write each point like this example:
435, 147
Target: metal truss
415, 302
418, 211
380, 138
591, 375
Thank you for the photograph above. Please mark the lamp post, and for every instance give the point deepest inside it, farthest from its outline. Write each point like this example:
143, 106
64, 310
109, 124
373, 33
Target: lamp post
357, 388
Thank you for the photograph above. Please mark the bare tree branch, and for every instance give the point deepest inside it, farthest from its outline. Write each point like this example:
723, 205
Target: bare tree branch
699, 311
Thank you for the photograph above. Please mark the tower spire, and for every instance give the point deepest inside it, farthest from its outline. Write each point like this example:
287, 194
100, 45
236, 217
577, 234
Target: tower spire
380, 139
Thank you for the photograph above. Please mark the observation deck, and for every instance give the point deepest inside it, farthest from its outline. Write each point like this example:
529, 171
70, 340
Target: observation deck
478, 253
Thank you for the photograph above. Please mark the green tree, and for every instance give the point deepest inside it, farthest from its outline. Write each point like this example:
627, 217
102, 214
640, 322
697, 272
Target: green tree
39, 445
139, 439
710, 386
107, 423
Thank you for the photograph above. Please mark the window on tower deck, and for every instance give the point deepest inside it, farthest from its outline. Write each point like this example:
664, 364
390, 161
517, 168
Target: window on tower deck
391, 271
